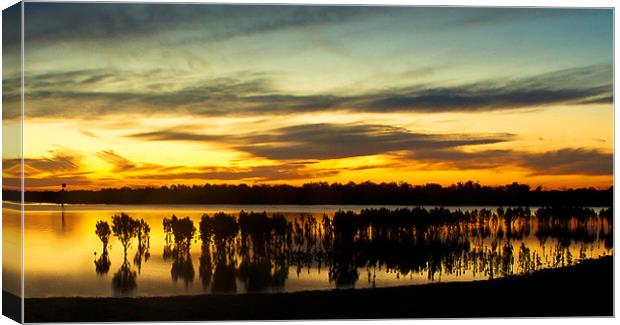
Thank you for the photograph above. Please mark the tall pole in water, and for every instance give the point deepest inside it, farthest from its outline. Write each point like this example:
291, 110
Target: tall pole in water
62, 195
62, 204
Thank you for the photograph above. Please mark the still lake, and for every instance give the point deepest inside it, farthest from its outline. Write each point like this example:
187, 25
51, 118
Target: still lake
63, 255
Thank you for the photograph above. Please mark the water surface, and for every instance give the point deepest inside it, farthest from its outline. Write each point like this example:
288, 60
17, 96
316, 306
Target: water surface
64, 257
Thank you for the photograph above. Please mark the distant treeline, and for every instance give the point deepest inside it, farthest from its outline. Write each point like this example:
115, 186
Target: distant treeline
468, 193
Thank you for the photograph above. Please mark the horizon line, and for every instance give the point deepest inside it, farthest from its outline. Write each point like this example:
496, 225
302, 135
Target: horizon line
322, 183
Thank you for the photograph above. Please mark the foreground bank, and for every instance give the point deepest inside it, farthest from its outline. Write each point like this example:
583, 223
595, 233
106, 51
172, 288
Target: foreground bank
582, 290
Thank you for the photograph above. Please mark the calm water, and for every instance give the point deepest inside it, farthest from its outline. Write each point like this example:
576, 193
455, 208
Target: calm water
64, 257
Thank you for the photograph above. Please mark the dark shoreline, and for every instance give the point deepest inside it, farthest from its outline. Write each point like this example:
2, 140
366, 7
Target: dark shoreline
402, 193
581, 290
7, 203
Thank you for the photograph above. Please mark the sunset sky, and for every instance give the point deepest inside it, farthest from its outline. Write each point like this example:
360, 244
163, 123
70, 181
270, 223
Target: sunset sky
136, 95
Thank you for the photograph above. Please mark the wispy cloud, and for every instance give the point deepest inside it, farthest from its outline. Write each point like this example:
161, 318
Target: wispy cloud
52, 171
154, 173
280, 172
57, 162
54, 182
569, 86
328, 141
566, 161
65, 94
56, 22
121, 164
480, 17
88, 133
62, 166
316, 142
570, 161
331, 141
59, 168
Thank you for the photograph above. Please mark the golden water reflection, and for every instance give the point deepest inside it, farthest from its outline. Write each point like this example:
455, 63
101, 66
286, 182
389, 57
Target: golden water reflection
72, 253
11, 248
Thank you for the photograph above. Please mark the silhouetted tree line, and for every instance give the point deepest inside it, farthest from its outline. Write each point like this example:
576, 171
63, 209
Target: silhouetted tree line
468, 193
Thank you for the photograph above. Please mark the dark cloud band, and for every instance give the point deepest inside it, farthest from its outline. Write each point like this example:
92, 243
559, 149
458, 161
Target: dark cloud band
66, 94
329, 141
566, 161
315, 142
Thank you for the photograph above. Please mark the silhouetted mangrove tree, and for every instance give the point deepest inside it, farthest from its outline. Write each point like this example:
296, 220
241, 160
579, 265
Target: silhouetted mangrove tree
259, 250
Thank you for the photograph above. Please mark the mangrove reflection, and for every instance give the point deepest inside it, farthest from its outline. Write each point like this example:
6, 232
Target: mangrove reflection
125, 229
144, 243
124, 280
102, 264
257, 250
223, 229
179, 234
264, 262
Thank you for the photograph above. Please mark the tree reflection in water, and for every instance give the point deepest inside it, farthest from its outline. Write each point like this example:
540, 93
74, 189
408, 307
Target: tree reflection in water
124, 280
257, 249
125, 229
223, 229
264, 264
179, 234
102, 264
205, 268
144, 243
